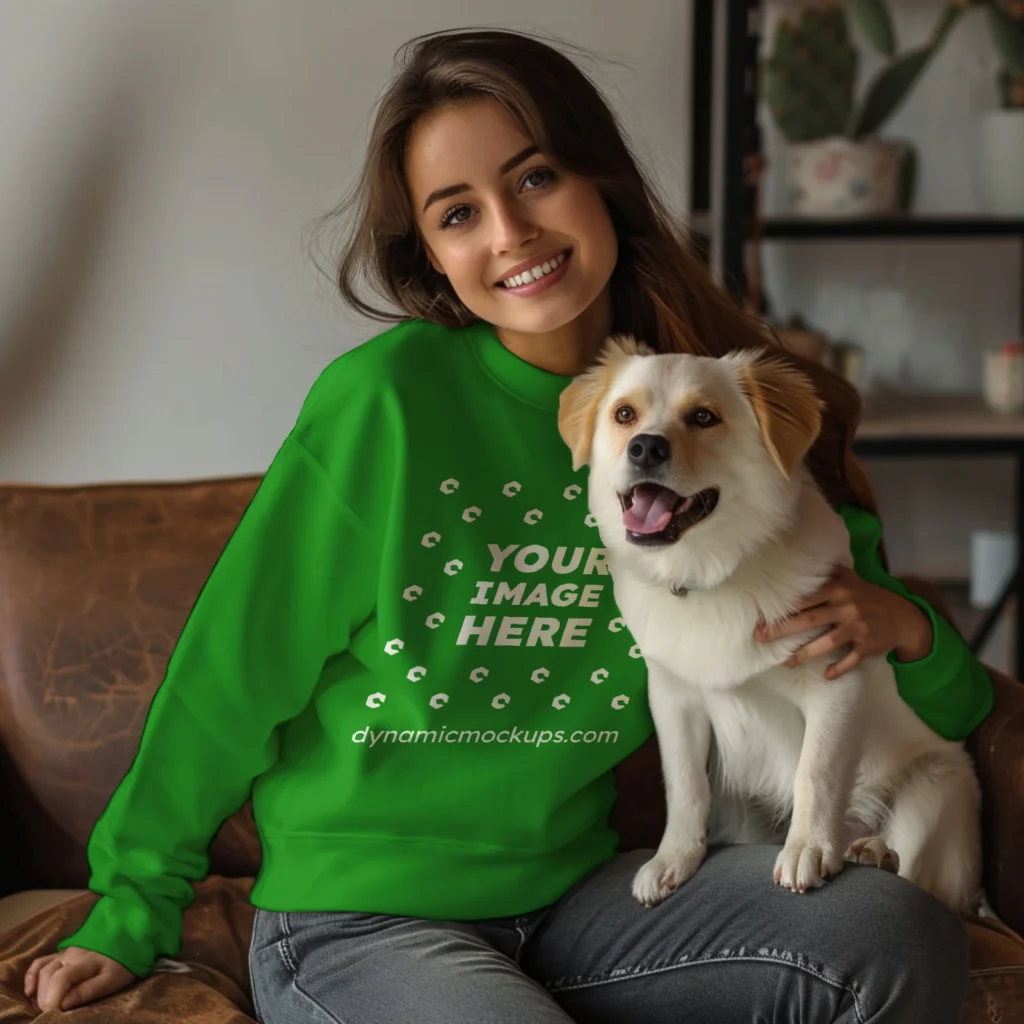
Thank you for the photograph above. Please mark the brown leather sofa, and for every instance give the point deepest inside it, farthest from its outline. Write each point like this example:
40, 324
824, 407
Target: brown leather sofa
95, 585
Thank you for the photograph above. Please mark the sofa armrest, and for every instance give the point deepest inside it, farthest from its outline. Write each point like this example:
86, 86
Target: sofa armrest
997, 747
12, 875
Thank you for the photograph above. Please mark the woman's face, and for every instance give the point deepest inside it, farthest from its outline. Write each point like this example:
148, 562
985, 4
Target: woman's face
489, 205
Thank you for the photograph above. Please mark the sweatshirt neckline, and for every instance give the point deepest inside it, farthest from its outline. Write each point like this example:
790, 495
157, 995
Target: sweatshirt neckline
528, 382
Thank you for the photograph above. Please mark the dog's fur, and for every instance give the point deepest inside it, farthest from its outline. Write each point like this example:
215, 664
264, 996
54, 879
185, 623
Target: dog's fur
748, 745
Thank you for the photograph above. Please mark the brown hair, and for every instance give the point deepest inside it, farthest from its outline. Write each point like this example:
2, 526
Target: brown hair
661, 292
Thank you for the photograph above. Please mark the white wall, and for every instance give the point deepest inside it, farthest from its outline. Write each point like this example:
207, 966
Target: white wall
923, 310
159, 316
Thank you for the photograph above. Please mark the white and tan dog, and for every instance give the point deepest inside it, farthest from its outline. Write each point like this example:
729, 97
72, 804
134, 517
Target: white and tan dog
712, 522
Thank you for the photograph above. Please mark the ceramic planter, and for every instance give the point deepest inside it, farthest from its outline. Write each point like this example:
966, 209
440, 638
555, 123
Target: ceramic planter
837, 177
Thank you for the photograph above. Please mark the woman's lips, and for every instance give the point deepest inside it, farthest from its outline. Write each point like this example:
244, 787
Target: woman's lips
524, 291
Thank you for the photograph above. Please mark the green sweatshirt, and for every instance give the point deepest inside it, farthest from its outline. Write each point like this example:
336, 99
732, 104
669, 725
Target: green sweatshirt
409, 655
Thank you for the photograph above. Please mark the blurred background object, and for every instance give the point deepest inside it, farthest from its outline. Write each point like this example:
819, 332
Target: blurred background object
836, 164
908, 301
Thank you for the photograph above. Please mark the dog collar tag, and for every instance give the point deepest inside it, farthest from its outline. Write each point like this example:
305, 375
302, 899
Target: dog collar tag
679, 590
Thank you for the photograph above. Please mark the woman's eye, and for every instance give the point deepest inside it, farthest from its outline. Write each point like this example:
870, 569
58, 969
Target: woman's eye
450, 215
624, 414
546, 175
703, 418
461, 214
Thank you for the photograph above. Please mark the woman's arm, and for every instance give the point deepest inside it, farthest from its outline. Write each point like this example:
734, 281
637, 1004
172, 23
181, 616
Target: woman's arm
870, 612
947, 686
288, 591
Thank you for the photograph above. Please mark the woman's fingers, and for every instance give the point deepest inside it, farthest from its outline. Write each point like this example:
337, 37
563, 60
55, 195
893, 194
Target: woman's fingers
823, 615
57, 979
836, 591
32, 974
840, 667
91, 988
831, 640
74, 977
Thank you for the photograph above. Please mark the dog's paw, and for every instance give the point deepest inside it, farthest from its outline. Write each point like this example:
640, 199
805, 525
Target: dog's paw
873, 851
805, 864
665, 872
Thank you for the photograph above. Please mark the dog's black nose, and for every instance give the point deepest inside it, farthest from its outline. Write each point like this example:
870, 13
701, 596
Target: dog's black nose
649, 450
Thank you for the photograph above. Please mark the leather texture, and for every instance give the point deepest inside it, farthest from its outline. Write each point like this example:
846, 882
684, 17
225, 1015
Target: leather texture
96, 583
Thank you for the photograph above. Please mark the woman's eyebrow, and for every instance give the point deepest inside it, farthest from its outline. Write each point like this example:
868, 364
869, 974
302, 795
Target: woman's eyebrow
452, 190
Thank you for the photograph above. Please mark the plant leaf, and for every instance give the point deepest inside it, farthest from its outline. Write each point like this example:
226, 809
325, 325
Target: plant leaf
873, 18
1008, 39
949, 18
809, 75
888, 89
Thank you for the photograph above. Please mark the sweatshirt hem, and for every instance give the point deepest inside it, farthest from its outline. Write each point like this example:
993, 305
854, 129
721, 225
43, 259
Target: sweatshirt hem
413, 877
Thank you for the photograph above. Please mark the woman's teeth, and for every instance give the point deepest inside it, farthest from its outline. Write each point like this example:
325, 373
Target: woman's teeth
535, 273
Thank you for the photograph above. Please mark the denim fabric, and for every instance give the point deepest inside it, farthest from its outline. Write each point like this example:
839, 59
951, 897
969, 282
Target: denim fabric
729, 946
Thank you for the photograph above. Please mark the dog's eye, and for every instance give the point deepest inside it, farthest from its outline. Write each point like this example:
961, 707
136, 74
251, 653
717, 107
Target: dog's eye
702, 417
625, 414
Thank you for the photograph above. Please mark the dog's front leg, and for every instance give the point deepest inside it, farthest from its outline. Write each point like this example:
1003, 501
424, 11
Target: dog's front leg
684, 738
824, 777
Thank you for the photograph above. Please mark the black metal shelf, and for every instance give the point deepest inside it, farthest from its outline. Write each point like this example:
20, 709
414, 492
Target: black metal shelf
726, 153
908, 226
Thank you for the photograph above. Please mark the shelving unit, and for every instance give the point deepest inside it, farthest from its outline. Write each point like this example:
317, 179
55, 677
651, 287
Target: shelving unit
726, 153
795, 228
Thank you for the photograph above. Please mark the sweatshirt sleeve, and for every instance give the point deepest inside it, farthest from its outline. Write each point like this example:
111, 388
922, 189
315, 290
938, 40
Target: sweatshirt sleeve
948, 688
283, 597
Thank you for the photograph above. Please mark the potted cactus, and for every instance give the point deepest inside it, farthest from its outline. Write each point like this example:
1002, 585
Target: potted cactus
999, 154
836, 165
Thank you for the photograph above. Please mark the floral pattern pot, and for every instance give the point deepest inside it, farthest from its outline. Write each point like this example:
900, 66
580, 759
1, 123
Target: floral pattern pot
837, 177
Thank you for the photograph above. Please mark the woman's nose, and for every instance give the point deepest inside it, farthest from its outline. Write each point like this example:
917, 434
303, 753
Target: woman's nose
512, 228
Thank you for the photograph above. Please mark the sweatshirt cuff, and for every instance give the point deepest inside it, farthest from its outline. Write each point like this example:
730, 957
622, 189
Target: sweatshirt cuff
121, 931
918, 674
923, 683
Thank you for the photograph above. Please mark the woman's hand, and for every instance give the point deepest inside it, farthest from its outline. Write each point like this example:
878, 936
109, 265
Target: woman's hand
871, 619
74, 977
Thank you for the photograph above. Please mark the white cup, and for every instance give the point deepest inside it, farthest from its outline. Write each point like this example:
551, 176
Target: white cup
1004, 381
993, 559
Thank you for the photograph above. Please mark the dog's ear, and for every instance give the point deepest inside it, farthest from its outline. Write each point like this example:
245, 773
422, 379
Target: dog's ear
580, 401
577, 413
787, 408
617, 347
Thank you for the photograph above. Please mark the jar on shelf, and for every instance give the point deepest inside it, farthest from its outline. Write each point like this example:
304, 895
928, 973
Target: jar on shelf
1004, 378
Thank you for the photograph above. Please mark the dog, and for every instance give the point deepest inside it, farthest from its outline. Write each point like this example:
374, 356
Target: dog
712, 524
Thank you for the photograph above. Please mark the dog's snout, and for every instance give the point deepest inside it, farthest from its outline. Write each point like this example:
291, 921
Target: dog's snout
649, 450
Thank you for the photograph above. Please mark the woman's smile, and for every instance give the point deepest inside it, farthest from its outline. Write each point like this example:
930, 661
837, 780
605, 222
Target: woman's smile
538, 277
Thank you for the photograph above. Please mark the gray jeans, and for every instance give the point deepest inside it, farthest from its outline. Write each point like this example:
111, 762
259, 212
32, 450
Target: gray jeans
728, 946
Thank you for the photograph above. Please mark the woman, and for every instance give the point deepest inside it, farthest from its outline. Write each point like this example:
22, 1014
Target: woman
409, 654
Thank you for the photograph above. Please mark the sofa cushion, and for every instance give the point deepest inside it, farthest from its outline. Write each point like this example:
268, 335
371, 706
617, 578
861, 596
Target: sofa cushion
209, 982
20, 906
996, 990
95, 585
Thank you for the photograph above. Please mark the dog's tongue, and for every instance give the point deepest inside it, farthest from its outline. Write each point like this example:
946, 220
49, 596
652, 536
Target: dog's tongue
651, 510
